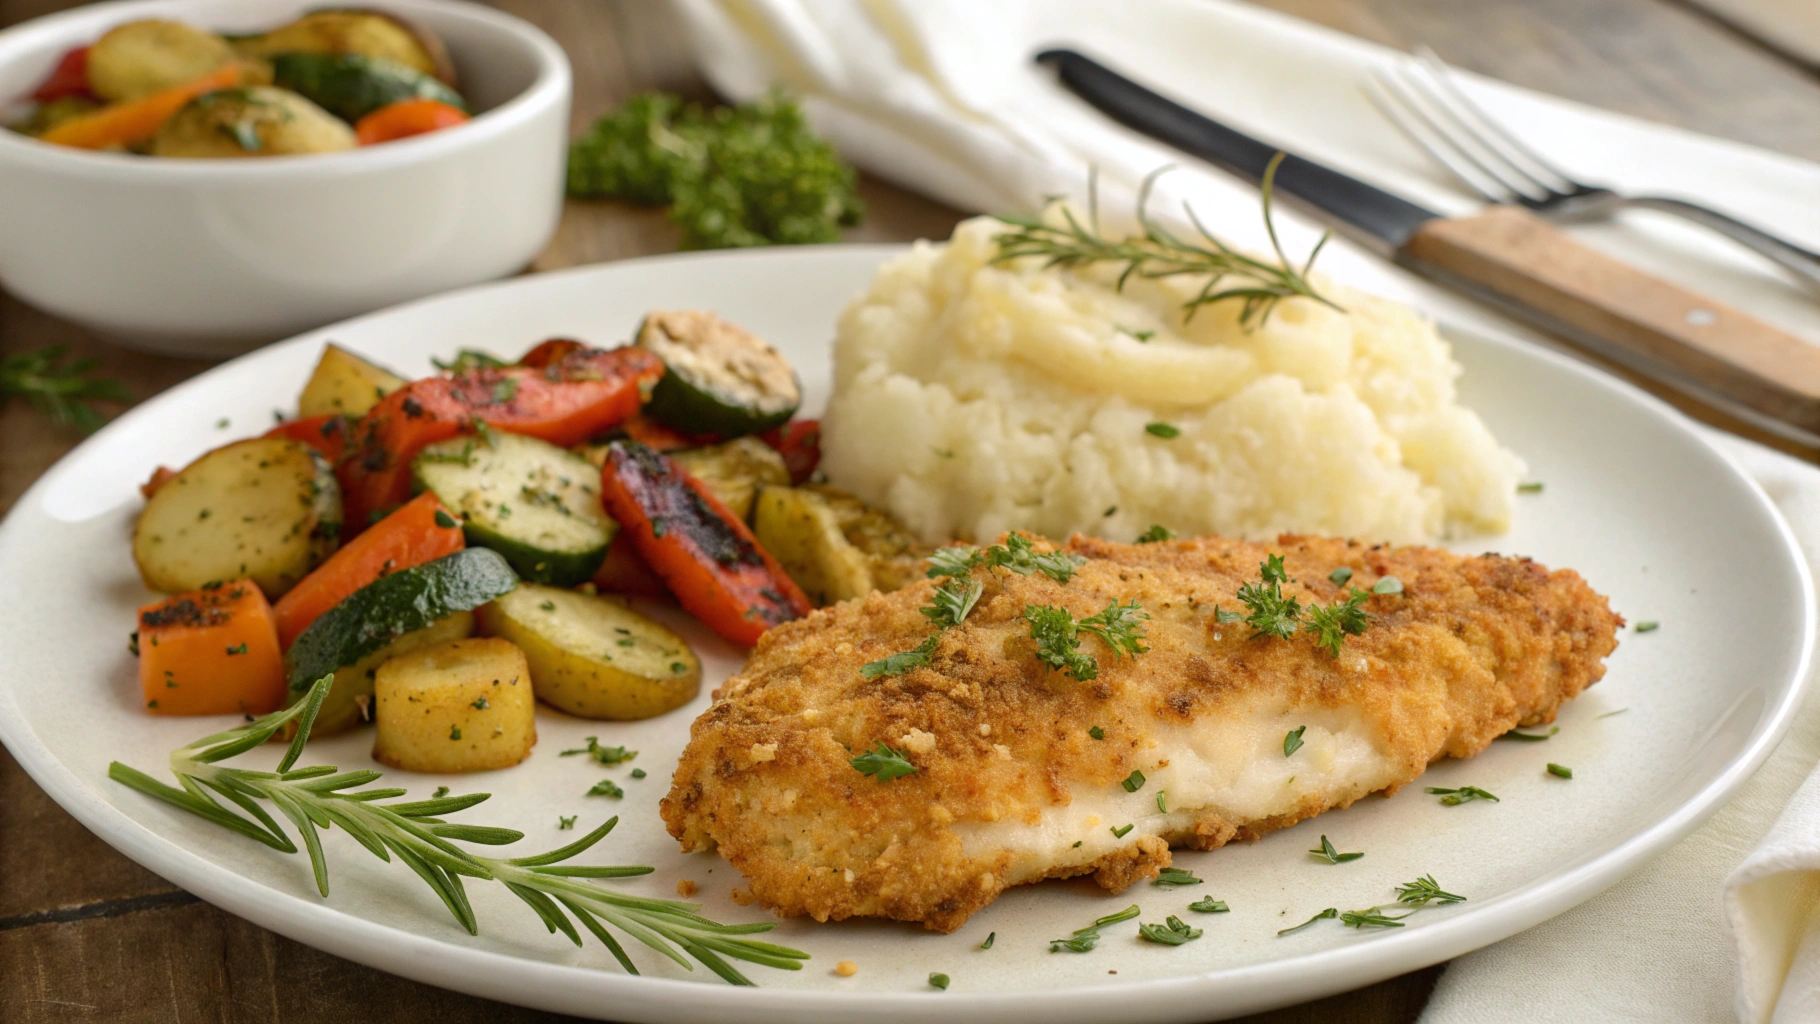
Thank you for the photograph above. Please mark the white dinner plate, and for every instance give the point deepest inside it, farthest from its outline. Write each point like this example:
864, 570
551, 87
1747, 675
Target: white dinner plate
1634, 500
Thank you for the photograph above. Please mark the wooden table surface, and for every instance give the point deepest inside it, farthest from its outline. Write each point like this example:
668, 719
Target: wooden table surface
87, 935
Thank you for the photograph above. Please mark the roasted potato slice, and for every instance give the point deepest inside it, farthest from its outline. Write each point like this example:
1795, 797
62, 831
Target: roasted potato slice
592, 656
344, 383
142, 57
251, 122
267, 508
461, 706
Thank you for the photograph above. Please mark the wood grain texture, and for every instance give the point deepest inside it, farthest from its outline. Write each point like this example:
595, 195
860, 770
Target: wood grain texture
86, 935
1622, 313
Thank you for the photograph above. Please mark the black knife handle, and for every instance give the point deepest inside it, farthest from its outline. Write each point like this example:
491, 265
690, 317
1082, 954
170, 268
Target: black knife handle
1381, 215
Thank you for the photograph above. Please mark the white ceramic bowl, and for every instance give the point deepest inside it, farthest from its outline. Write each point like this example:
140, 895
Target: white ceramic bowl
212, 257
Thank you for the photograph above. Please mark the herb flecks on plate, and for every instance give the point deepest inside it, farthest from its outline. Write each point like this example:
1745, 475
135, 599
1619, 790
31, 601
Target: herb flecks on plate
1084, 939
414, 831
1333, 856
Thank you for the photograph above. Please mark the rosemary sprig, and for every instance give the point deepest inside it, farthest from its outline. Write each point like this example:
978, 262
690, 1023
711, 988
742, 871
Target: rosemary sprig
60, 390
1160, 253
322, 797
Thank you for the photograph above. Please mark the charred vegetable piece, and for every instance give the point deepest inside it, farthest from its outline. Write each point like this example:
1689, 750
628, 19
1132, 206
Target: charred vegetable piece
704, 553
345, 383
800, 443
352, 85
718, 377
735, 471
213, 651
535, 503
583, 394
265, 508
351, 30
594, 657
141, 57
253, 121
420, 531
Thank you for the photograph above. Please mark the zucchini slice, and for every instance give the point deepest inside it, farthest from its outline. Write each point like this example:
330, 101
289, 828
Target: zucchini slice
592, 656
718, 378
735, 471
353, 85
833, 545
350, 699
383, 611
267, 508
534, 503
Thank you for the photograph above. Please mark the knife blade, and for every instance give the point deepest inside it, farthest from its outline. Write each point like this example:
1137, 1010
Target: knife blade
1512, 260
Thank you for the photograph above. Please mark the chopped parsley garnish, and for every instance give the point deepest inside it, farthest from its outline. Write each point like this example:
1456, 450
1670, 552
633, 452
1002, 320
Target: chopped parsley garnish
1111, 510
1162, 430
469, 359
1530, 488
954, 561
566, 822
1086, 938
638, 773
1058, 642
1162, 801
952, 601
239, 648
1387, 585
1326, 915
1272, 614
1020, 556
991, 937
441, 791
1097, 733
446, 521
606, 787
1121, 626
454, 732
1209, 905
1465, 794
939, 981
1172, 933
1370, 917
605, 755
504, 390
1332, 624
1156, 533
1340, 576
1119, 833
1425, 889
1648, 626
1175, 876
480, 704
882, 763
1560, 771
1133, 782
1333, 856
1530, 737
903, 661
1292, 741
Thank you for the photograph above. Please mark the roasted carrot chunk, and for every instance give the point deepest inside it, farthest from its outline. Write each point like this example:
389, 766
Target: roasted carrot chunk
406, 118
701, 550
212, 651
421, 530
119, 124
552, 351
624, 571
160, 476
579, 395
327, 434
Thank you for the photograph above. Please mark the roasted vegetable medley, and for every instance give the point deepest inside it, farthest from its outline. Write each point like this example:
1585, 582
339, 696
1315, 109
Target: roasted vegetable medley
450, 548
329, 81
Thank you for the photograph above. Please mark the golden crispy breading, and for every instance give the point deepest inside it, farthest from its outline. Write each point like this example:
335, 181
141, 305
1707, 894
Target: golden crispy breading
1010, 784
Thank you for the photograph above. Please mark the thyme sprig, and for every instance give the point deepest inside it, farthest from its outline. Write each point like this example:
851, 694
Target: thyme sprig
62, 391
323, 796
1159, 253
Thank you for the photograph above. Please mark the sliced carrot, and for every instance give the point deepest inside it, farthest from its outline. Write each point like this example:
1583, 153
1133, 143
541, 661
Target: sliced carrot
624, 571
704, 553
552, 351
404, 119
420, 531
160, 476
213, 651
119, 124
800, 443
327, 434
580, 395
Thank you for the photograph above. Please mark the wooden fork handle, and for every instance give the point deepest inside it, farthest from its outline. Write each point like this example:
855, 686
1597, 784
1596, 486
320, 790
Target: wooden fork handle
1658, 329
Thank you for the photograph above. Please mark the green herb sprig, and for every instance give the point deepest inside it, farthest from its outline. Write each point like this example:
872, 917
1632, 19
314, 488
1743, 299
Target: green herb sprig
1173, 932
415, 833
1333, 856
63, 391
1465, 794
605, 755
1084, 939
1066, 241
1057, 635
883, 763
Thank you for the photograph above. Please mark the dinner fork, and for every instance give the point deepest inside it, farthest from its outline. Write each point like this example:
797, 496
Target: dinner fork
1430, 108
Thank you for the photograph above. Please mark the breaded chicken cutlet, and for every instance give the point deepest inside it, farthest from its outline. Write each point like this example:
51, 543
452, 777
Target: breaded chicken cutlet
1023, 771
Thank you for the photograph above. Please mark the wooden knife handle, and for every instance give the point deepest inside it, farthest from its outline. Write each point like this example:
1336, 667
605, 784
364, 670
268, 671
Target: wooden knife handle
1622, 313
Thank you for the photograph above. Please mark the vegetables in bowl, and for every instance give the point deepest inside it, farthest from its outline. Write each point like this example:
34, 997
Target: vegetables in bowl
169, 89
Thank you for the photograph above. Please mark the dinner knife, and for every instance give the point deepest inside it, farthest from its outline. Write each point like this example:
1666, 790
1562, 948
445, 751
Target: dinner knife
1512, 260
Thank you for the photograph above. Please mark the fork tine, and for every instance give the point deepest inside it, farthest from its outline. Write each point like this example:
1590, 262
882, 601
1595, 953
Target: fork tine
1394, 102
1490, 131
1419, 97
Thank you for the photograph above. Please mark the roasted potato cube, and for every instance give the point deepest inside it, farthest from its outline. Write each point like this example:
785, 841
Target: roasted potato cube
142, 57
251, 122
345, 384
462, 706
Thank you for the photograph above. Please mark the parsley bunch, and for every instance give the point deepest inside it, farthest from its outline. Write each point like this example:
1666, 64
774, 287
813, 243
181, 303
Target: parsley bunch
1272, 614
755, 174
1057, 635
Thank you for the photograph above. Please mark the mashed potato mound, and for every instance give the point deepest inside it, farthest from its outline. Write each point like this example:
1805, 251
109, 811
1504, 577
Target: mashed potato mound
972, 398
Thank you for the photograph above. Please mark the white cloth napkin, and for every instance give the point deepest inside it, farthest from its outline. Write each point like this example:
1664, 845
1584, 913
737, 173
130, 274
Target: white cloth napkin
941, 96
1791, 25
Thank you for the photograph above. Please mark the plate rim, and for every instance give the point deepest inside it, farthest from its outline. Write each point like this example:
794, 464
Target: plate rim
584, 990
